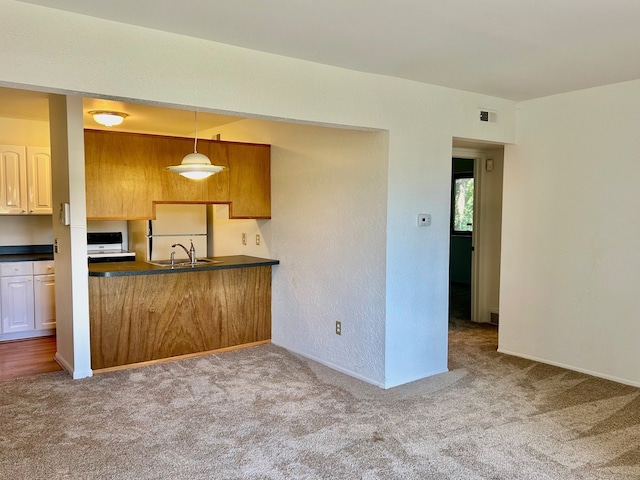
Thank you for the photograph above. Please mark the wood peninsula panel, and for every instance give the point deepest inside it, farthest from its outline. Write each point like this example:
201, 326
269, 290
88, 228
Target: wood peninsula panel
139, 318
250, 181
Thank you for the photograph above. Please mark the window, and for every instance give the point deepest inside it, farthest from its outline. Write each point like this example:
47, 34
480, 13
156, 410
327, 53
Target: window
462, 204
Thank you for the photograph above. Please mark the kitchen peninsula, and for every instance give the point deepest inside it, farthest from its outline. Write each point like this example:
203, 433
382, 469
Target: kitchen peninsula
141, 312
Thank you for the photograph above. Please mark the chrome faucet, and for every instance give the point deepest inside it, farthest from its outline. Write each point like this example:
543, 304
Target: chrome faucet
191, 253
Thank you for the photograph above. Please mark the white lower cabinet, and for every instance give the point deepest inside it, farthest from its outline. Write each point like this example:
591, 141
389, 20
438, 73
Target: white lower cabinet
17, 304
44, 293
27, 295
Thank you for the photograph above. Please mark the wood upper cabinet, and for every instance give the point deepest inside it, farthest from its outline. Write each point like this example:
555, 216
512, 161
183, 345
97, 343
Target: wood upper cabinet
126, 173
121, 179
250, 181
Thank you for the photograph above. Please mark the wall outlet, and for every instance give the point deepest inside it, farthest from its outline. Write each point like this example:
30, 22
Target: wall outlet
244, 238
338, 328
257, 239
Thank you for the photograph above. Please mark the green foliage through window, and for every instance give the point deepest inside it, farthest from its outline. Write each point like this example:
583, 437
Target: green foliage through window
462, 205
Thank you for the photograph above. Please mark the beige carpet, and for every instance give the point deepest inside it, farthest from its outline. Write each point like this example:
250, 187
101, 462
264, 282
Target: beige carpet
264, 413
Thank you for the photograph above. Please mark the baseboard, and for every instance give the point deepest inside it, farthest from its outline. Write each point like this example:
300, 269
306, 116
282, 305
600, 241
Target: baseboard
333, 366
62, 362
572, 368
422, 376
9, 337
180, 357
75, 374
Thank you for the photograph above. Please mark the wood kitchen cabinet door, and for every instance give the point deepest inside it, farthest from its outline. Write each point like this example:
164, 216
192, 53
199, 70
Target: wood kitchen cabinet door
169, 151
249, 181
121, 181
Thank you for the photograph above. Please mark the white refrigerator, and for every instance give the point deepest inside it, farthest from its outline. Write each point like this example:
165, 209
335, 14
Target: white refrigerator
174, 224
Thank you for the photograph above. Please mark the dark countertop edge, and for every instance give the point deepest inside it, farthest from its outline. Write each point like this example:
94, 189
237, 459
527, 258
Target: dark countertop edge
25, 253
127, 269
25, 257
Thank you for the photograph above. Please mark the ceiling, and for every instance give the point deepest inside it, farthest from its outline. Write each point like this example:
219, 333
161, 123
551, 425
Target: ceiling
513, 49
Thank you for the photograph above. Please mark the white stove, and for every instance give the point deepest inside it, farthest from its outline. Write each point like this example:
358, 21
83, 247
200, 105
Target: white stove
107, 247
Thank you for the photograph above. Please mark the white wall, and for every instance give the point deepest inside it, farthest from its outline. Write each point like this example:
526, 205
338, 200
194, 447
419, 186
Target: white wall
570, 240
26, 230
66, 52
72, 280
227, 234
30, 133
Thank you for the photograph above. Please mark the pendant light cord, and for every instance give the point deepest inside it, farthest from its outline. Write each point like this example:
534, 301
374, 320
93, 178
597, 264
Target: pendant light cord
195, 140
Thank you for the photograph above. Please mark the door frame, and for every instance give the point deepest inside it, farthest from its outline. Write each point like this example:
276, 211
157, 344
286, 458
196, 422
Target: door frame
478, 158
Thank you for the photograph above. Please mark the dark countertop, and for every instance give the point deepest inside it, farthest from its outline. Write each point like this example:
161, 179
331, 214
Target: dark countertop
123, 269
25, 253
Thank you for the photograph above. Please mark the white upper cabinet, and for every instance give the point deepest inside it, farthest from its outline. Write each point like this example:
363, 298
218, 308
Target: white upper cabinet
13, 180
25, 180
39, 180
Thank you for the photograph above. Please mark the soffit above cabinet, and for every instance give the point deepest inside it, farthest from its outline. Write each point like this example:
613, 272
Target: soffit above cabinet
153, 119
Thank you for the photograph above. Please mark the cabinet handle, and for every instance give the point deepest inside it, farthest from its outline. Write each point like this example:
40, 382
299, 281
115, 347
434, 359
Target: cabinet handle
17, 269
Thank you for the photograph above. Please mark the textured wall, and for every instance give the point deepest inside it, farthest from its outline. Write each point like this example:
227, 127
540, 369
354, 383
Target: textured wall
330, 239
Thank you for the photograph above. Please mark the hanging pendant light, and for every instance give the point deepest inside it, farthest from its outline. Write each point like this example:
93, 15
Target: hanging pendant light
196, 166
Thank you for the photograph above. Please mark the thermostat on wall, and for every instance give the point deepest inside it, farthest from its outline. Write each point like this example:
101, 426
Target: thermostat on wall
424, 219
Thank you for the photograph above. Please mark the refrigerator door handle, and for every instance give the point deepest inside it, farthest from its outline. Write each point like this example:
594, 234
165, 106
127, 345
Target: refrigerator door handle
150, 238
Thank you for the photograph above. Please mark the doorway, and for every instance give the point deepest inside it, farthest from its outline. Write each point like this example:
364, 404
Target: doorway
461, 238
475, 233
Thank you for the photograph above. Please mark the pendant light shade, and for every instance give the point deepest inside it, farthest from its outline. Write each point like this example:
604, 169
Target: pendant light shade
196, 166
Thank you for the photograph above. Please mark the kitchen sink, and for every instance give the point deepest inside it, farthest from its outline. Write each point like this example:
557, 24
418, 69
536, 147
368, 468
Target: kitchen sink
185, 263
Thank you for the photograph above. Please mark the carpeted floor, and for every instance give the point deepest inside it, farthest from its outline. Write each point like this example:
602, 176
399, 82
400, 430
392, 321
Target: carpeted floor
263, 413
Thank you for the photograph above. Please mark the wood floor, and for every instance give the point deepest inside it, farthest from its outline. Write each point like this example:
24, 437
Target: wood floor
24, 358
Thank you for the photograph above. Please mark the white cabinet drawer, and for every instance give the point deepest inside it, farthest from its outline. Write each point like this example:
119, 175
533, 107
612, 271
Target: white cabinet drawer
44, 267
14, 269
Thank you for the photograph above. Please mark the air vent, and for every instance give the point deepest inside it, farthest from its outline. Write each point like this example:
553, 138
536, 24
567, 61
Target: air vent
495, 318
488, 116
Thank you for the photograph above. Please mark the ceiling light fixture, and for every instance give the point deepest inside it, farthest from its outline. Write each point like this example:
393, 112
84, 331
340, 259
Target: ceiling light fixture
196, 166
107, 118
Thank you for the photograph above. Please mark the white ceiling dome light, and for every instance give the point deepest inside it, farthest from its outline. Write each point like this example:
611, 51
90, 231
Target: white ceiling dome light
107, 118
196, 166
